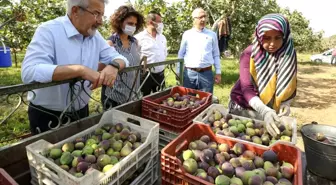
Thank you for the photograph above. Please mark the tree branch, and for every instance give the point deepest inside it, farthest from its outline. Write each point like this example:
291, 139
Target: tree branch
210, 12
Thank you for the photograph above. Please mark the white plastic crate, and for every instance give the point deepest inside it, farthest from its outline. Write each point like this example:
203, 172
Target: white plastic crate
33, 174
150, 174
48, 173
166, 137
203, 117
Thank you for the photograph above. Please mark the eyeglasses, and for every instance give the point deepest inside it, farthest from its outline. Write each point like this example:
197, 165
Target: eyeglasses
95, 14
201, 17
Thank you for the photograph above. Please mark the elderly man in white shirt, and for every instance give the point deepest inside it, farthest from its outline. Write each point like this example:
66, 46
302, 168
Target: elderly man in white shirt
153, 44
199, 49
65, 48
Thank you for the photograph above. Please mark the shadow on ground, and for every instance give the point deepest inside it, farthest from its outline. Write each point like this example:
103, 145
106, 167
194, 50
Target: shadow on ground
310, 70
313, 64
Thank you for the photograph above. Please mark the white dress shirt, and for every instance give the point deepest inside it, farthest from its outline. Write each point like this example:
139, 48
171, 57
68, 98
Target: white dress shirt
199, 49
57, 42
154, 48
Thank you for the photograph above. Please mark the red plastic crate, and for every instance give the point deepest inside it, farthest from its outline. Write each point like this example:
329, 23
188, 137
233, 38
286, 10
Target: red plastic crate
5, 179
171, 166
176, 120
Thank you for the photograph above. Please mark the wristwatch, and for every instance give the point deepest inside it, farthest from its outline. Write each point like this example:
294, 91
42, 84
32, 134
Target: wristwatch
115, 64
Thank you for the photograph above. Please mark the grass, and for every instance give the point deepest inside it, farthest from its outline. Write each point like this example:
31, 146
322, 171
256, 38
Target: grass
10, 76
18, 124
303, 58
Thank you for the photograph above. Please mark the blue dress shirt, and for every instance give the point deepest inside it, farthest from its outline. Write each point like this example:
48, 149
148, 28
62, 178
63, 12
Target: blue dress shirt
199, 49
57, 42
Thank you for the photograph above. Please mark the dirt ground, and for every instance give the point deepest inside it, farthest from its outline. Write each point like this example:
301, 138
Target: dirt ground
315, 100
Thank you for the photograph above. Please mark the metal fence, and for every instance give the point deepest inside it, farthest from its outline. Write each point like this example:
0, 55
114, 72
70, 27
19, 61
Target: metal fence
14, 97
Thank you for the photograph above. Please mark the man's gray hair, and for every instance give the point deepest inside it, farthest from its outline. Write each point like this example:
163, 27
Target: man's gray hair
196, 12
151, 17
81, 3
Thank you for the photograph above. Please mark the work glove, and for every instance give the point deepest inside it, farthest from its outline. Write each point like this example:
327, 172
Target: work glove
269, 115
271, 119
284, 109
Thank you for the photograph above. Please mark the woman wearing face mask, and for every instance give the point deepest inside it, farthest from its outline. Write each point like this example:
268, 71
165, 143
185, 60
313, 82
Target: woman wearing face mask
125, 22
268, 74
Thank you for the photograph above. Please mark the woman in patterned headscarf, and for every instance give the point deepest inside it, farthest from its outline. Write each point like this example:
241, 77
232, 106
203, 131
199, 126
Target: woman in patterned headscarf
268, 69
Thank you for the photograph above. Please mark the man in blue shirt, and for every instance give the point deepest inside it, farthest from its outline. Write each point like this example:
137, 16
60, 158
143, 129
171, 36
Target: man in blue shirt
65, 48
199, 49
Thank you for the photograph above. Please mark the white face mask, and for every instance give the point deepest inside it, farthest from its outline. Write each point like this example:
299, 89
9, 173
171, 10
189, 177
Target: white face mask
129, 30
159, 28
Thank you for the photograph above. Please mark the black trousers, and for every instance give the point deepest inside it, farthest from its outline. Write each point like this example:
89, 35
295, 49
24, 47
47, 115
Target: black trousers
39, 120
332, 59
150, 85
223, 43
106, 102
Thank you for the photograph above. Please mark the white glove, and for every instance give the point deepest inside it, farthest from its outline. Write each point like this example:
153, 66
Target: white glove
270, 119
269, 115
284, 109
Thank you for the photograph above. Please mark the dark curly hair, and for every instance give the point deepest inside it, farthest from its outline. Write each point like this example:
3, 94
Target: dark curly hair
122, 13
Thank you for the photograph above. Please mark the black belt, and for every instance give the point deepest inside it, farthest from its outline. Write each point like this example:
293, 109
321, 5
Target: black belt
200, 69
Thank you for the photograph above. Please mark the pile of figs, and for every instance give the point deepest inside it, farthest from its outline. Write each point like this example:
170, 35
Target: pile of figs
247, 130
101, 151
183, 101
321, 137
219, 164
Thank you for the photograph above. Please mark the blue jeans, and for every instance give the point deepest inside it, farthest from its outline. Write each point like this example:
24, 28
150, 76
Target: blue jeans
203, 81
